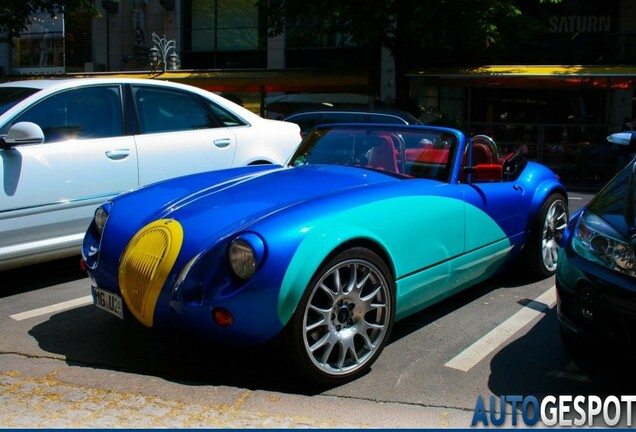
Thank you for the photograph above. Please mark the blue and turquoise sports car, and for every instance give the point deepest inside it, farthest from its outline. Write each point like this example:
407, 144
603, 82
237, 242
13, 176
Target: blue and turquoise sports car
366, 225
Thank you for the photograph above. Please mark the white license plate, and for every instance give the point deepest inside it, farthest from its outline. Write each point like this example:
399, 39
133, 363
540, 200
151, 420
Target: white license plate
108, 301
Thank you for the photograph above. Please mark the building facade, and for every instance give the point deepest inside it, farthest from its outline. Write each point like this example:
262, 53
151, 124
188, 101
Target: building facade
549, 109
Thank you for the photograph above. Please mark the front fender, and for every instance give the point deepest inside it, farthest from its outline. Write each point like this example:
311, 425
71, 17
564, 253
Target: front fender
407, 228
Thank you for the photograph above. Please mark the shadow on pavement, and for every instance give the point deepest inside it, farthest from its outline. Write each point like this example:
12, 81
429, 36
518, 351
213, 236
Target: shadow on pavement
40, 276
90, 337
515, 370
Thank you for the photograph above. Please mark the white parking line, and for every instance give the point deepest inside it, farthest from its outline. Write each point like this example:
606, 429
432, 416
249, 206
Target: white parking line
495, 338
82, 301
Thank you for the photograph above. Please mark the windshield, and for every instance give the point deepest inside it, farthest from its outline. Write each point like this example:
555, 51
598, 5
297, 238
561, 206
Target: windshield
610, 203
9, 96
417, 152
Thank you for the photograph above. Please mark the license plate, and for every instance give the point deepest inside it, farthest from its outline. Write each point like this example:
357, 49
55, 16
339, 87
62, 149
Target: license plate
108, 301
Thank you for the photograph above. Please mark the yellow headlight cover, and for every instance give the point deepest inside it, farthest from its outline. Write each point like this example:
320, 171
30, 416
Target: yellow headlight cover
145, 265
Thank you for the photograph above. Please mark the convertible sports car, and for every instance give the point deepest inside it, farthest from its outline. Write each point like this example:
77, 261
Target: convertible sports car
366, 225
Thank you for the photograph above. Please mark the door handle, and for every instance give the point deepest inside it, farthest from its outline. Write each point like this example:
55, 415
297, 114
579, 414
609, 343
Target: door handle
222, 142
118, 154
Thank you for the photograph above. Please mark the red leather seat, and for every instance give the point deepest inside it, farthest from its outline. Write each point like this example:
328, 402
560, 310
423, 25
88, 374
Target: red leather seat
383, 155
482, 155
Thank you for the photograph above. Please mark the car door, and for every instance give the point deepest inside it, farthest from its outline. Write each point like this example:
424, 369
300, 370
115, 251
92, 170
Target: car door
493, 217
50, 190
499, 198
180, 134
502, 201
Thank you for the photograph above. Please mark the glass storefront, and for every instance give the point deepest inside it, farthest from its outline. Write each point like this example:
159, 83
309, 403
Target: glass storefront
40, 48
223, 34
224, 25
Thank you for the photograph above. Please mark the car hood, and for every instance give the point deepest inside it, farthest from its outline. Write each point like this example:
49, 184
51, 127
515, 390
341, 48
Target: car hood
258, 193
223, 201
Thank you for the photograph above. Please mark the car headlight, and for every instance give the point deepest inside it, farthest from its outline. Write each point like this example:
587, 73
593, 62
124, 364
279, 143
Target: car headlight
245, 255
597, 241
100, 218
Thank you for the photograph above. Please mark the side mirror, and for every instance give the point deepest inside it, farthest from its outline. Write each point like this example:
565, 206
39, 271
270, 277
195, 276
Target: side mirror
623, 138
23, 133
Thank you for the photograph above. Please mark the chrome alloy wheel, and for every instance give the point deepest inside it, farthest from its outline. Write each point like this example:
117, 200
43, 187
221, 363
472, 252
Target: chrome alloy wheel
347, 317
554, 224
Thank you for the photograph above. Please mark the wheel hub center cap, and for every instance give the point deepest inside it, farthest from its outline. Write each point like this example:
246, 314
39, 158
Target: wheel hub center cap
343, 314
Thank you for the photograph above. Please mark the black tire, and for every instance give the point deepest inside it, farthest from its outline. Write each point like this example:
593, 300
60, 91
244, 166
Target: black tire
539, 256
343, 320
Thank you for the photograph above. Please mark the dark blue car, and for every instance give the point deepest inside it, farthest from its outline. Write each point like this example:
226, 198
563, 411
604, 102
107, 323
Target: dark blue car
596, 277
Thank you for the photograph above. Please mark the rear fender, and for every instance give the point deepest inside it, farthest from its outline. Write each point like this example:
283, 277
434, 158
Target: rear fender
543, 191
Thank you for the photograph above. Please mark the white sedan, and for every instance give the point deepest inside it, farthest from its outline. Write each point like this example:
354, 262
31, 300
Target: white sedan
67, 145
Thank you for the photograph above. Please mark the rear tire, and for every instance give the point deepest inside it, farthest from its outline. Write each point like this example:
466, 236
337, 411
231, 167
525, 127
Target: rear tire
540, 254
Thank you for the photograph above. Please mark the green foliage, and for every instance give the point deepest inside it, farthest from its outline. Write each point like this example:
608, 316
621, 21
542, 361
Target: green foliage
401, 25
417, 32
15, 14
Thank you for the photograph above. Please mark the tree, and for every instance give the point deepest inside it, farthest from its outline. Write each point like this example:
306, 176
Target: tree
416, 32
15, 14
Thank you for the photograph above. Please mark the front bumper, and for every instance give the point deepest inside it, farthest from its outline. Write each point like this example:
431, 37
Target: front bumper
164, 283
253, 322
596, 305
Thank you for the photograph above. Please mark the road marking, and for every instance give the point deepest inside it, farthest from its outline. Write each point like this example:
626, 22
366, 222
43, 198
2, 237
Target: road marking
82, 301
495, 338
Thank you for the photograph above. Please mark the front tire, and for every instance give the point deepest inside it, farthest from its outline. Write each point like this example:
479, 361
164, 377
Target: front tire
344, 319
541, 252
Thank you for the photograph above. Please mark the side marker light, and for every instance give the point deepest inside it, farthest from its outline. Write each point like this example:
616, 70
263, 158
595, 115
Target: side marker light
222, 317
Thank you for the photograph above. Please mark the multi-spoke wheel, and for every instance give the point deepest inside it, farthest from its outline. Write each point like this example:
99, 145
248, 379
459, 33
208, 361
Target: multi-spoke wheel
542, 250
554, 223
344, 318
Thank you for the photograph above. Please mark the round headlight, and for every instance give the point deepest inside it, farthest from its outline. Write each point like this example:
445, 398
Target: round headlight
100, 219
242, 259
